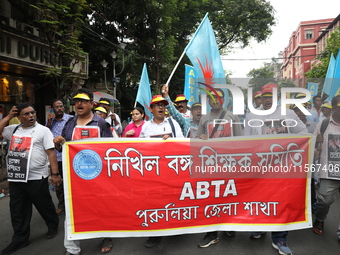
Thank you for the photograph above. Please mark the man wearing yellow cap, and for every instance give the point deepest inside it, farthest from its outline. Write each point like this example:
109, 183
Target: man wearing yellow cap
159, 126
210, 126
326, 109
189, 125
182, 105
112, 118
328, 130
314, 117
215, 124
257, 99
83, 102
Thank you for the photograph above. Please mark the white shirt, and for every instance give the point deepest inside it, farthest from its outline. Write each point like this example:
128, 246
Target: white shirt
256, 127
42, 141
118, 128
150, 128
187, 114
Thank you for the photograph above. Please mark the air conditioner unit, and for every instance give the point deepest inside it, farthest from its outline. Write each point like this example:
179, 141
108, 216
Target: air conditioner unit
12, 23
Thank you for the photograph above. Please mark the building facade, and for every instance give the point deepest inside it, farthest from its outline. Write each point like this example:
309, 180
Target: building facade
324, 35
302, 49
24, 56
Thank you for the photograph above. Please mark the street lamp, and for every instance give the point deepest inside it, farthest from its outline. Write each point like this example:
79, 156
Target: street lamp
104, 65
114, 56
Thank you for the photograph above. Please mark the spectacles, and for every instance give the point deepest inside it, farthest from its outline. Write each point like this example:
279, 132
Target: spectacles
159, 105
28, 113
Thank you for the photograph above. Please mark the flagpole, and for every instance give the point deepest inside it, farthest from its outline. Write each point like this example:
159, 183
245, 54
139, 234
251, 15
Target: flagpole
173, 71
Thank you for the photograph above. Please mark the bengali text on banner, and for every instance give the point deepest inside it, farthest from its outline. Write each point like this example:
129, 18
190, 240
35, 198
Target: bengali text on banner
150, 187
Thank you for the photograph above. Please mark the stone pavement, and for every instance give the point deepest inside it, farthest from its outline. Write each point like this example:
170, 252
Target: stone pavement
300, 241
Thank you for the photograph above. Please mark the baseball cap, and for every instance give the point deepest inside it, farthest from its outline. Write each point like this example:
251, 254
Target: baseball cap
196, 105
104, 101
267, 90
300, 95
82, 96
180, 98
101, 109
157, 99
257, 94
327, 105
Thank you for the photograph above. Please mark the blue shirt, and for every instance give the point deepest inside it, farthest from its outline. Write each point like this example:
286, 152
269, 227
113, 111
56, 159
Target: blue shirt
183, 122
56, 128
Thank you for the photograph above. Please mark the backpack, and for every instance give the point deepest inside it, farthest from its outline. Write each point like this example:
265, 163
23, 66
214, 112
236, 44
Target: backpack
324, 126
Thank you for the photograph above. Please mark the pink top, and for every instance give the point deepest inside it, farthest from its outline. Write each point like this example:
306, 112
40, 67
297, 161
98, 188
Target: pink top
132, 126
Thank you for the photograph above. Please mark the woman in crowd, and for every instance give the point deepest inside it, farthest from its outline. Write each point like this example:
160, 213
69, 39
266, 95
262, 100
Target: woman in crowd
134, 128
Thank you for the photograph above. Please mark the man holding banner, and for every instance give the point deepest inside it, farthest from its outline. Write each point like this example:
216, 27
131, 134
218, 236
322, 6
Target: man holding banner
277, 124
159, 127
189, 125
216, 124
85, 125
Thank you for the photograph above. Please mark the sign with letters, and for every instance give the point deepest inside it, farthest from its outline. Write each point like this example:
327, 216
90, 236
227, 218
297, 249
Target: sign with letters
18, 158
151, 187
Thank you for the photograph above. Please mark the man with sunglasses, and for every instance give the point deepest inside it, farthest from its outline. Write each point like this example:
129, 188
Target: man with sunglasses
31, 148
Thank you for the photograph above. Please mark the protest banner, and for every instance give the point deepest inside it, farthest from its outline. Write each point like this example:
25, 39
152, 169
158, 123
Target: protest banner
151, 187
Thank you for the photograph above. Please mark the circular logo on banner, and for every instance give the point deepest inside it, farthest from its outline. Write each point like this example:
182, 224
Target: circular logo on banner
87, 164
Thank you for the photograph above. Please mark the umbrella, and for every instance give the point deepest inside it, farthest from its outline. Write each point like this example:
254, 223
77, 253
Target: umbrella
97, 95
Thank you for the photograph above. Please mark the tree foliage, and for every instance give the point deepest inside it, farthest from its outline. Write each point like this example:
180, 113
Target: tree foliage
318, 72
260, 77
265, 75
237, 22
156, 32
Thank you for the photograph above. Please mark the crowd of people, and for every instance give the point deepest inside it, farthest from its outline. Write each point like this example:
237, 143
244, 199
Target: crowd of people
47, 140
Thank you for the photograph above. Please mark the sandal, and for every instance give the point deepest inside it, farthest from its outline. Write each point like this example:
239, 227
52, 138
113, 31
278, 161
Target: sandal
318, 227
106, 245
